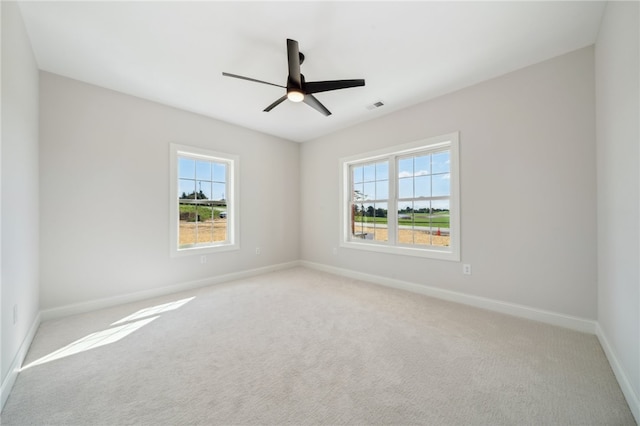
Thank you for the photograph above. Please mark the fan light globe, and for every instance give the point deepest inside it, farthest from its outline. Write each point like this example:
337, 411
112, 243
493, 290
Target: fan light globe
295, 96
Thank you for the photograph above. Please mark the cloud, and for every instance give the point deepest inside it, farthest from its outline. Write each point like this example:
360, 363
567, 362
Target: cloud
405, 174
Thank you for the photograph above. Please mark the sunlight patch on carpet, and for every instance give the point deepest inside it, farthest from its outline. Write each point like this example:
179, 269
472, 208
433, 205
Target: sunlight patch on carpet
155, 310
92, 341
129, 323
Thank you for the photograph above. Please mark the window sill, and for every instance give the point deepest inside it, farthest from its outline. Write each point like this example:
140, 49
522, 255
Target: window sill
430, 253
202, 250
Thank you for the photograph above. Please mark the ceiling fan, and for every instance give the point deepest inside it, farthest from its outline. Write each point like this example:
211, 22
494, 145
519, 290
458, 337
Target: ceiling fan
299, 90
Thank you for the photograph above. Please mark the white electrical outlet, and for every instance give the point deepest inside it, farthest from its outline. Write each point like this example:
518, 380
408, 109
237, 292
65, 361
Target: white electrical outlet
257, 250
203, 259
466, 269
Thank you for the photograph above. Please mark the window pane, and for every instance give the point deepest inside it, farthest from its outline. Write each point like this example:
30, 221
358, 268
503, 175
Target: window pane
440, 162
440, 207
368, 213
219, 172
423, 186
421, 213
405, 212
369, 172
203, 170
219, 211
186, 168
441, 185
382, 171
405, 188
421, 165
440, 223
219, 191
204, 190
220, 223
369, 190
356, 221
405, 222
358, 192
405, 167
368, 221
357, 174
186, 231
421, 223
186, 188
382, 190
380, 213
421, 236
203, 227
361, 221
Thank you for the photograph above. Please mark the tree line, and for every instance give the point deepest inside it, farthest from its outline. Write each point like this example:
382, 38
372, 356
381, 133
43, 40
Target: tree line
370, 211
194, 196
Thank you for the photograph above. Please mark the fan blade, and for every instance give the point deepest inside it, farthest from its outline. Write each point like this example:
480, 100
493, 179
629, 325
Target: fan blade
293, 55
226, 74
275, 104
315, 104
325, 86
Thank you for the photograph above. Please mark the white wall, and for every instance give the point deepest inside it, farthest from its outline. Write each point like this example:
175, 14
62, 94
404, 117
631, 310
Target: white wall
618, 153
105, 194
19, 192
527, 150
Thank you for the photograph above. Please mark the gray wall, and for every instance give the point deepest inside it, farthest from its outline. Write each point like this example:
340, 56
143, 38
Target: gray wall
618, 153
19, 193
104, 165
527, 152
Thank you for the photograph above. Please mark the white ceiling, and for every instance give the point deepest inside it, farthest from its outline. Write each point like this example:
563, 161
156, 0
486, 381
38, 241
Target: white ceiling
175, 52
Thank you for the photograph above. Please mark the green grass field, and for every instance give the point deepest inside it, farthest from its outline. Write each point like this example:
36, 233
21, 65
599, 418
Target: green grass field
440, 219
204, 212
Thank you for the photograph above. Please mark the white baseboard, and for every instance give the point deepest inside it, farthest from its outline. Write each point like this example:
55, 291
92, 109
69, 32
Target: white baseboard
623, 380
79, 308
14, 369
521, 311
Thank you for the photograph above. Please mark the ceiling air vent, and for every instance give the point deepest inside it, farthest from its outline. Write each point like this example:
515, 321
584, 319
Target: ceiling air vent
375, 105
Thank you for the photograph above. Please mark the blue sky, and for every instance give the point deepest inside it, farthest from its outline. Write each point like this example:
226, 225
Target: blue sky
418, 176
201, 175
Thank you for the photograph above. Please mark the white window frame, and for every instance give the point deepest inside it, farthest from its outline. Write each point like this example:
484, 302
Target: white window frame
232, 197
452, 252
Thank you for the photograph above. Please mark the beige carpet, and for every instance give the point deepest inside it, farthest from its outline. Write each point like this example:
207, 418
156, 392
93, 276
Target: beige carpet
304, 347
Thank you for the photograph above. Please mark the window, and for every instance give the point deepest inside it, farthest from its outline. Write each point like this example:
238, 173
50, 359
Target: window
203, 201
404, 200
